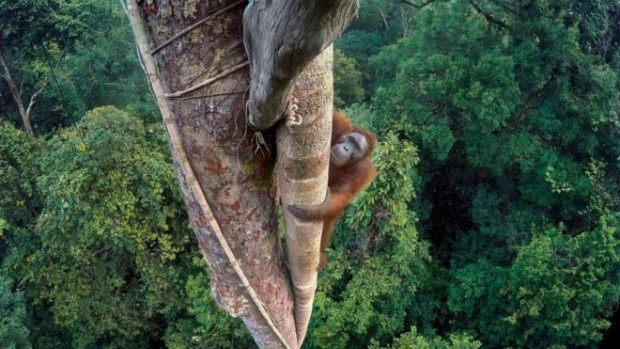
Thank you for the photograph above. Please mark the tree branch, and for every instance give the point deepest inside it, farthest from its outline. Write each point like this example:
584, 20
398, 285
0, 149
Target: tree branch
32, 98
417, 6
384, 18
16, 94
515, 118
278, 50
505, 6
487, 16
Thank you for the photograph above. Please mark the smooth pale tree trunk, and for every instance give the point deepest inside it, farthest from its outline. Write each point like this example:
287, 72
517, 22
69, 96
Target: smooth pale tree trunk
303, 164
281, 38
195, 59
6, 74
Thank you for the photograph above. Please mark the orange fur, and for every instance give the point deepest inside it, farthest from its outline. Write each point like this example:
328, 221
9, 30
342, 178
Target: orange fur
344, 183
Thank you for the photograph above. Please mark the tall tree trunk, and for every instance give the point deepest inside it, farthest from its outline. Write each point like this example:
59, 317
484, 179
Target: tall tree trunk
6, 74
194, 56
281, 38
216, 157
303, 164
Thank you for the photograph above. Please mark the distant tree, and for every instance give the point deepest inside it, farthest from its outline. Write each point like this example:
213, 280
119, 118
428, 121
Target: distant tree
62, 58
348, 83
557, 291
110, 256
13, 316
24, 27
20, 200
24, 112
413, 339
515, 117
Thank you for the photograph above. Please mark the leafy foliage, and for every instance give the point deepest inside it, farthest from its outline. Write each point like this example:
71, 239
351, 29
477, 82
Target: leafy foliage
552, 294
516, 121
412, 339
210, 326
79, 55
19, 198
104, 251
112, 222
13, 317
107, 257
368, 291
493, 221
347, 81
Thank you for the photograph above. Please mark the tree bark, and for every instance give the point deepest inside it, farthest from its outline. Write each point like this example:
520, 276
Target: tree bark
194, 56
303, 166
16, 95
281, 37
215, 158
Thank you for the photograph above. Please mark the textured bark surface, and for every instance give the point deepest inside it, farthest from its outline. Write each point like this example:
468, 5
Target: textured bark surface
235, 178
303, 164
281, 37
195, 59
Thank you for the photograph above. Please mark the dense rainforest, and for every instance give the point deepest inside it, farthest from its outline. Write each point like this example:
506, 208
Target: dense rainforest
493, 222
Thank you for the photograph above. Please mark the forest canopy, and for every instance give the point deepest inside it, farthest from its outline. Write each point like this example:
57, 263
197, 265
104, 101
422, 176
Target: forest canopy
493, 221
